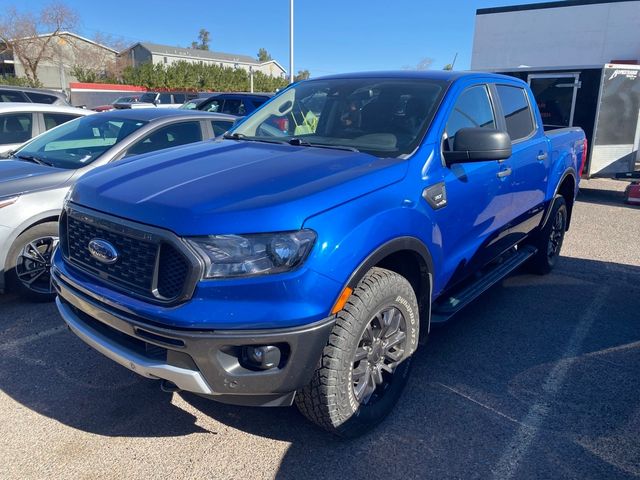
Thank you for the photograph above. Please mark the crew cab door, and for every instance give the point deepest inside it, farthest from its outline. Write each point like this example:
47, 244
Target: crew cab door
529, 160
476, 215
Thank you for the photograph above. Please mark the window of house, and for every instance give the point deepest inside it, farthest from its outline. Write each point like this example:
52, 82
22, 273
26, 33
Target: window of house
472, 109
517, 112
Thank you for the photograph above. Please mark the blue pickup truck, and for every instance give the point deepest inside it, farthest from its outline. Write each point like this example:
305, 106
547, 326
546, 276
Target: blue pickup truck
303, 257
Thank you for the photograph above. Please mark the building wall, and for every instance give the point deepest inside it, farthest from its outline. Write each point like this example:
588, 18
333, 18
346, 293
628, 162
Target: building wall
139, 55
556, 37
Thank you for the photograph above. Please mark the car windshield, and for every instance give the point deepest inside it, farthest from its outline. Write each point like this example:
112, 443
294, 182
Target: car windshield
78, 142
386, 117
125, 100
148, 97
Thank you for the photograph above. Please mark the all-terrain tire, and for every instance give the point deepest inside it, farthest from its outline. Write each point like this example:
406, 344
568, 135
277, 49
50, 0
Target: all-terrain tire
39, 291
330, 400
549, 239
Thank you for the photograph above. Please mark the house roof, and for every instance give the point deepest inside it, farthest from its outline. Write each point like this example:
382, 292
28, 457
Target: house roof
194, 53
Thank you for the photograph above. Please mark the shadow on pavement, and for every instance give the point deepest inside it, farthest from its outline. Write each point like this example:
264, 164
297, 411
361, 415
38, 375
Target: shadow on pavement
539, 375
603, 197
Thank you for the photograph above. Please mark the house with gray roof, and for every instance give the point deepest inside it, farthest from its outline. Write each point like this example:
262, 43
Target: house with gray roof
144, 52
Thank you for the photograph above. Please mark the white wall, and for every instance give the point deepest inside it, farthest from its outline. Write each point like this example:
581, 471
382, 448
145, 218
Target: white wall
553, 37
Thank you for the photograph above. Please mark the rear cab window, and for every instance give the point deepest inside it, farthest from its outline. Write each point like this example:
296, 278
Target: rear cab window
517, 111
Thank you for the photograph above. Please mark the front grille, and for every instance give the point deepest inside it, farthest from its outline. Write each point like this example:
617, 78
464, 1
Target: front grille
147, 264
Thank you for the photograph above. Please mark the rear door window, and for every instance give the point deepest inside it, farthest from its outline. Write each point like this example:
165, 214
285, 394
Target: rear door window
517, 111
11, 96
180, 133
15, 128
472, 109
54, 119
165, 98
179, 98
41, 97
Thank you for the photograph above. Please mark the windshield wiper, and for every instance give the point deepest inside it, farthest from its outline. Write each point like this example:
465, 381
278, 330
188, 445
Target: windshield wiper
34, 159
242, 136
304, 143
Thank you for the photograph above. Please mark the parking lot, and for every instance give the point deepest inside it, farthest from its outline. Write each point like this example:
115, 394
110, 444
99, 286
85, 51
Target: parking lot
539, 378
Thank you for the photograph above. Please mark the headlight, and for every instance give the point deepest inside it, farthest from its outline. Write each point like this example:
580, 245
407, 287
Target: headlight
259, 254
6, 201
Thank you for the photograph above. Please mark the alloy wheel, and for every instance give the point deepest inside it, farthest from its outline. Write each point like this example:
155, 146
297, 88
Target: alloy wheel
33, 265
380, 350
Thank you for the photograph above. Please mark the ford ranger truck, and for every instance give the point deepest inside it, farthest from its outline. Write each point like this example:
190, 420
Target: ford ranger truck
303, 257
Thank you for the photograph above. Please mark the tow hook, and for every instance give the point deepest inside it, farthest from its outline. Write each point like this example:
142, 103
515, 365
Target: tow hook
169, 387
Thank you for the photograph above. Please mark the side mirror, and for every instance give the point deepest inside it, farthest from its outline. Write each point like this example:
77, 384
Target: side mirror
479, 145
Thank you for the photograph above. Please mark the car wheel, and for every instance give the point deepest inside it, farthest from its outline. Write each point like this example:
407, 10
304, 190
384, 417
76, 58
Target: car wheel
29, 267
549, 240
366, 362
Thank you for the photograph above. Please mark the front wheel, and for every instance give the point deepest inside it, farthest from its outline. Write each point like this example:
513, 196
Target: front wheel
29, 262
366, 362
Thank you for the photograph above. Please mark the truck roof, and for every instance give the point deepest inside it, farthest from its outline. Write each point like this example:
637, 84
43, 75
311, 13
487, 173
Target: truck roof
441, 75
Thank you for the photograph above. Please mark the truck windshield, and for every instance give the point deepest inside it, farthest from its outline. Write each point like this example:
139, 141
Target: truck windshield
386, 117
79, 142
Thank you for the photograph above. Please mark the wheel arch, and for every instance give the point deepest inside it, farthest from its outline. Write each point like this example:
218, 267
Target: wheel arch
409, 257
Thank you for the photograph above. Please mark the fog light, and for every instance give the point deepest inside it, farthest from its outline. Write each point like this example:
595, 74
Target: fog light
263, 357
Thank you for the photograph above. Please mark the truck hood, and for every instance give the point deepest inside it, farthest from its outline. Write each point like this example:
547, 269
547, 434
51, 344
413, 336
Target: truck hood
234, 186
18, 177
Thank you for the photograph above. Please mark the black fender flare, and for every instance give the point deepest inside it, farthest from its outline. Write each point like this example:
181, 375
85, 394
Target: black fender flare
570, 172
398, 244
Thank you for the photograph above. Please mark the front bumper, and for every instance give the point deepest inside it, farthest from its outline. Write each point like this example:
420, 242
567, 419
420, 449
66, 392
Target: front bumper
203, 362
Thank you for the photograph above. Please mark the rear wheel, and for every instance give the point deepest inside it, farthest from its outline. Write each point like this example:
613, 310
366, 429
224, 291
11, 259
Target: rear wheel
549, 240
365, 365
29, 267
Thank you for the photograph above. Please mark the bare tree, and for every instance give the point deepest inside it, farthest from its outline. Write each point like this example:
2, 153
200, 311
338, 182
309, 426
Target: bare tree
34, 38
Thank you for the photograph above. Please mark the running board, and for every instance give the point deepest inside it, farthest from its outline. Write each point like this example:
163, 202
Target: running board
444, 309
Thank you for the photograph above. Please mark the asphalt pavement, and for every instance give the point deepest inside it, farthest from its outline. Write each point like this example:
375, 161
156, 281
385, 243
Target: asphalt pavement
537, 379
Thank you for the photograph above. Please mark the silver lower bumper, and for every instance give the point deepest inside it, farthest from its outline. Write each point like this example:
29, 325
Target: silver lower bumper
183, 378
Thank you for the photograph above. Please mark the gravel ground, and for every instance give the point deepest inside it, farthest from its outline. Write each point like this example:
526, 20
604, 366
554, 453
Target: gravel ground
539, 378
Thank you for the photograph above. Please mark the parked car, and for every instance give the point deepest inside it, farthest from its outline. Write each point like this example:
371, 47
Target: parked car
120, 100
162, 99
304, 265
20, 122
35, 180
13, 94
239, 104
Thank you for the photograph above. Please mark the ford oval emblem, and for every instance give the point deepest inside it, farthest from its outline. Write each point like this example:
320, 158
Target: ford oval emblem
103, 251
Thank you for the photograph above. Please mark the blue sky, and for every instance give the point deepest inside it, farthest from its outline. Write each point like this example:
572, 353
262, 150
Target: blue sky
331, 36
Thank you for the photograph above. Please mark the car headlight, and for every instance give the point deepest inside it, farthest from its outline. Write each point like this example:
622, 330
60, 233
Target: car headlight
259, 254
6, 201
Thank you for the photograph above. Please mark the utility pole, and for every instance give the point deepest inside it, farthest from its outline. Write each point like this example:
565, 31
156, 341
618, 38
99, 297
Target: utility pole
290, 41
251, 76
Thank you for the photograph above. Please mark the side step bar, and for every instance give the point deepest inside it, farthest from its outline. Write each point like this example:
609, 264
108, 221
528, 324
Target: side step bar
443, 309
